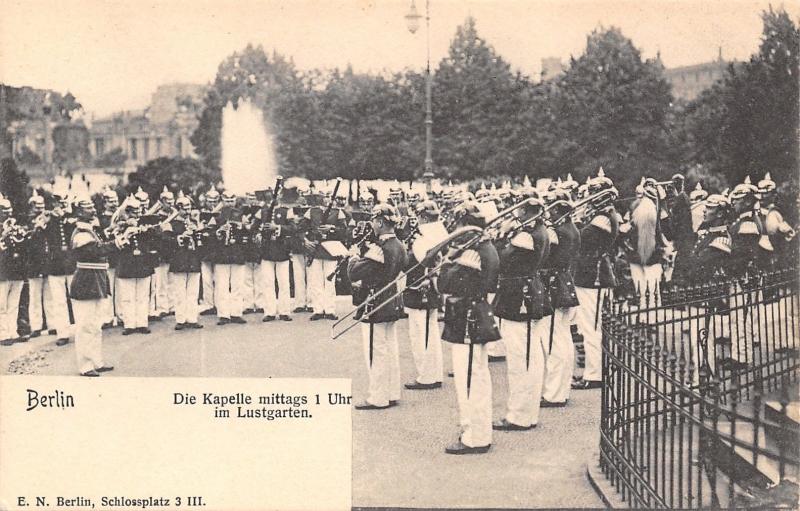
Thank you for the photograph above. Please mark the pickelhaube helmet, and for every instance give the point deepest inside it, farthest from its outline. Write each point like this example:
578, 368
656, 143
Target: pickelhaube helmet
469, 212
83, 202
132, 203
717, 200
36, 200
228, 197
166, 193
698, 193
183, 202
141, 195
569, 184
110, 197
744, 190
766, 185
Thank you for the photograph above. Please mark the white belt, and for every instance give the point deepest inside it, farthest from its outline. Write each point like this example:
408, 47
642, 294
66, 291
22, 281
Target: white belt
92, 266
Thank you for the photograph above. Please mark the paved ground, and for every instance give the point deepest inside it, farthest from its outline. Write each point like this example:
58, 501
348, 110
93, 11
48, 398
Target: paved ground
398, 457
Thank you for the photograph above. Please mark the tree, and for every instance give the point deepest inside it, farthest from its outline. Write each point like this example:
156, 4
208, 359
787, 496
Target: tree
14, 186
613, 107
114, 158
748, 123
476, 103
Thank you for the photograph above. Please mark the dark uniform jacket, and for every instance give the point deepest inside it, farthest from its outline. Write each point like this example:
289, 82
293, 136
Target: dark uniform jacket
228, 248
380, 265
90, 281
711, 254
521, 293
593, 266
58, 234
565, 244
334, 228
135, 260
425, 295
185, 248
105, 223
277, 244
750, 245
36, 253
12, 259
468, 317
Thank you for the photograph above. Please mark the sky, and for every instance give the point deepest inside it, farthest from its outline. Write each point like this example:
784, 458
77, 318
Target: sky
113, 54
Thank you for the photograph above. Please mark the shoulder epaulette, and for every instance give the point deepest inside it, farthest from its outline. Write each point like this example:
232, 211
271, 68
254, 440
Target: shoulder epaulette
721, 243
375, 253
81, 238
602, 222
553, 236
748, 227
470, 259
523, 240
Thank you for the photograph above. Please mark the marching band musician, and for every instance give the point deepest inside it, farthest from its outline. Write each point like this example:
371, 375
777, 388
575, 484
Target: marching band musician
35, 262
133, 272
594, 279
697, 199
564, 249
162, 303
469, 326
290, 196
228, 262
12, 271
751, 245
207, 304
322, 294
276, 246
422, 302
381, 264
60, 267
110, 205
778, 230
644, 244
522, 303
89, 289
187, 236
252, 294
681, 232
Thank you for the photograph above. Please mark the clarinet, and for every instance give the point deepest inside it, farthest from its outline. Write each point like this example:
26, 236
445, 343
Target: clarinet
325, 215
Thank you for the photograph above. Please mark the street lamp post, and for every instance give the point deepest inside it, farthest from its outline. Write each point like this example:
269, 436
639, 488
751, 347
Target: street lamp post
412, 19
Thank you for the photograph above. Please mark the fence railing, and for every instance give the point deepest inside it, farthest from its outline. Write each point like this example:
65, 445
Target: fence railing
696, 408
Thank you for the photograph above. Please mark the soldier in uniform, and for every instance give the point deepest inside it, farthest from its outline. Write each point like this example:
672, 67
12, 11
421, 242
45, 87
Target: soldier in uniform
35, 260
645, 244
291, 199
322, 293
12, 271
110, 205
60, 267
522, 303
207, 307
697, 199
228, 262
683, 238
161, 300
422, 302
469, 325
252, 294
779, 231
276, 235
381, 264
187, 237
89, 289
594, 280
133, 272
564, 248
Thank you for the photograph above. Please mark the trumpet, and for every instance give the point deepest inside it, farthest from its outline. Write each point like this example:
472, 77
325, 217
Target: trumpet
124, 237
476, 235
13, 234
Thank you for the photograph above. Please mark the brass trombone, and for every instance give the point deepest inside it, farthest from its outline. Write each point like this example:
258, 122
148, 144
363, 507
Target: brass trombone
478, 234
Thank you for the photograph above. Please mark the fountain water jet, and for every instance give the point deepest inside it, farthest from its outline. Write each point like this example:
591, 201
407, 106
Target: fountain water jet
248, 152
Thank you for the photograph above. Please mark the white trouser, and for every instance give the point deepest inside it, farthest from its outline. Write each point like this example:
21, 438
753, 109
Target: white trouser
647, 281
88, 333
228, 280
497, 348
274, 301
185, 287
427, 353
55, 304
35, 295
744, 321
590, 324
300, 280
134, 297
207, 272
252, 293
561, 361
475, 410
109, 304
321, 291
525, 368
10, 291
159, 293
382, 357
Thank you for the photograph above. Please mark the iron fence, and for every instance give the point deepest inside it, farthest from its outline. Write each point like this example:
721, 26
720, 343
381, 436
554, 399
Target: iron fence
696, 402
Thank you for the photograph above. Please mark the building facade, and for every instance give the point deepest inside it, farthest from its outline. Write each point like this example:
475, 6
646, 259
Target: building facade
162, 129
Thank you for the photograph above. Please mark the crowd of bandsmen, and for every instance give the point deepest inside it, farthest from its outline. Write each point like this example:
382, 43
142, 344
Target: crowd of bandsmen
516, 295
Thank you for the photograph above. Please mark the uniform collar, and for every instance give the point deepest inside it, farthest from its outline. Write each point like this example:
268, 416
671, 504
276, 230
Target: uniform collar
387, 236
746, 214
719, 228
84, 225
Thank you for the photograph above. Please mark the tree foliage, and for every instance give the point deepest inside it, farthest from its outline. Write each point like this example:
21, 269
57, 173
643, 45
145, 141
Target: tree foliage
14, 186
187, 174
